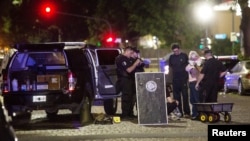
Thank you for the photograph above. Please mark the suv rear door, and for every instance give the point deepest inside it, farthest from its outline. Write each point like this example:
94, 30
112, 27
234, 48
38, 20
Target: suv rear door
103, 70
104, 76
106, 71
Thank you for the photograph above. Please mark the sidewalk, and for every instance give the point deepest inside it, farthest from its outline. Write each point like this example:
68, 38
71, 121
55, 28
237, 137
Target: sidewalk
184, 129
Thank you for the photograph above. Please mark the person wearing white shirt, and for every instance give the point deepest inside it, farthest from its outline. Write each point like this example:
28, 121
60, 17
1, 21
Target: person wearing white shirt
193, 72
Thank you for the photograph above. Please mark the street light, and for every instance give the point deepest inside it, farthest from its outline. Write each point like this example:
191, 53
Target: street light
204, 13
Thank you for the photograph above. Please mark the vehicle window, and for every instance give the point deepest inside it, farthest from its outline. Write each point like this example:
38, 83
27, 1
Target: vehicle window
248, 65
107, 57
237, 68
19, 60
46, 58
229, 63
23, 60
76, 59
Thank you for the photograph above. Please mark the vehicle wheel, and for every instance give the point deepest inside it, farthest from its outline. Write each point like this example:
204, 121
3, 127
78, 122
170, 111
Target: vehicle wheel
203, 117
217, 117
85, 115
227, 117
211, 118
241, 90
110, 106
51, 114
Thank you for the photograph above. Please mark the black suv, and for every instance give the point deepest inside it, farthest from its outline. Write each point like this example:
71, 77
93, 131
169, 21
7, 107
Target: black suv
54, 76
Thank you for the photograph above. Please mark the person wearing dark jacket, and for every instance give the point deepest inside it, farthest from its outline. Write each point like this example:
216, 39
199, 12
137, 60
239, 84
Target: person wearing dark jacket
139, 68
125, 69
208, 79
178, 62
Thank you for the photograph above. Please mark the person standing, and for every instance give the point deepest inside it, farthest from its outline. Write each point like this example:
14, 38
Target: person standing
125, 68
139, 68
178, 62
209, 77
193, 69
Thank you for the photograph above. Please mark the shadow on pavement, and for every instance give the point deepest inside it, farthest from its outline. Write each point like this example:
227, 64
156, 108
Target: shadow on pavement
67, 121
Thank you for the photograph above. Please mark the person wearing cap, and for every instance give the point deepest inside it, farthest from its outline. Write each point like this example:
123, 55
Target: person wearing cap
125, 68
178, 62
139, 68
209, 77
193, 69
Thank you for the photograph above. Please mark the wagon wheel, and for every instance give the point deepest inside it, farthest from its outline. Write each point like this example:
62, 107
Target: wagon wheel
203, 117
217, 117
227, 117
211, 117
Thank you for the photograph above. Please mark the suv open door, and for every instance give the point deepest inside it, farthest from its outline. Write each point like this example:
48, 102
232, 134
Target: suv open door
105, 76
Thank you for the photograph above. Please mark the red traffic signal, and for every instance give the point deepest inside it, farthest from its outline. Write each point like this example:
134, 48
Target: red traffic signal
109, 39
48, 9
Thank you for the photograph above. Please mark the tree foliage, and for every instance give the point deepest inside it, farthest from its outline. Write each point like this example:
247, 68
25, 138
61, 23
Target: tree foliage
169, 20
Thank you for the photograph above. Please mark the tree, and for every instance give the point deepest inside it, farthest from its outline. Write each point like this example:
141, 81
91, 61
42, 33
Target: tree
168, 20
245, 27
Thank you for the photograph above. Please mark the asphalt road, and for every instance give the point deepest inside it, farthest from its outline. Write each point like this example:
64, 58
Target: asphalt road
67, 128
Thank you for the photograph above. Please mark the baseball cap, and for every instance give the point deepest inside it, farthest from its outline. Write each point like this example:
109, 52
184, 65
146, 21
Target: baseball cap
135, 49
207, 51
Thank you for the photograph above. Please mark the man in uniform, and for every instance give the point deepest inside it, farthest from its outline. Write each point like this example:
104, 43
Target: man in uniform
125, 68
209, 77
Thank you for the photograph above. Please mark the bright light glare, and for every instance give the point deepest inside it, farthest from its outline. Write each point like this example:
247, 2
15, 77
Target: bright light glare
47, 9
204, 12
110, 39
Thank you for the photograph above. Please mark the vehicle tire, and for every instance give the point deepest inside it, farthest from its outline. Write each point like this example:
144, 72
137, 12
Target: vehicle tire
51, 114
110, 106
217, 117
227, 117
211, 118
203, 117
85, 116
241, 89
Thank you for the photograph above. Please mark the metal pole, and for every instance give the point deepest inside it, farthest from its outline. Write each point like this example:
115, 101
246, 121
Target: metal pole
87, 17
232, 31
206, 36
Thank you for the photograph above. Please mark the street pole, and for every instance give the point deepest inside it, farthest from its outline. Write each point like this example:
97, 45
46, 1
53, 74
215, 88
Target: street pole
232, 31
87, 17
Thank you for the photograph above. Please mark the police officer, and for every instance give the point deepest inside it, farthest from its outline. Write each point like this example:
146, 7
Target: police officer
139, 68
125, 68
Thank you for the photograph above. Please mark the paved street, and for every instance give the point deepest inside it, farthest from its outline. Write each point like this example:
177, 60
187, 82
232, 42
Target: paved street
66, 128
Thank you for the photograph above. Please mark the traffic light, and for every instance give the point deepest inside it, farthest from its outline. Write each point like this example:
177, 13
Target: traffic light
202, 44
205, 43
109, 39
48, 9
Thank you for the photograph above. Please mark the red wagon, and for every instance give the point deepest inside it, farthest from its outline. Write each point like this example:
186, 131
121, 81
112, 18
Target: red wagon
211, 111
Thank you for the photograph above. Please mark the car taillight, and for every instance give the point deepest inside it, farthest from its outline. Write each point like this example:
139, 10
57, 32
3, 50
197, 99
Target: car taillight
4, 86
71, 81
